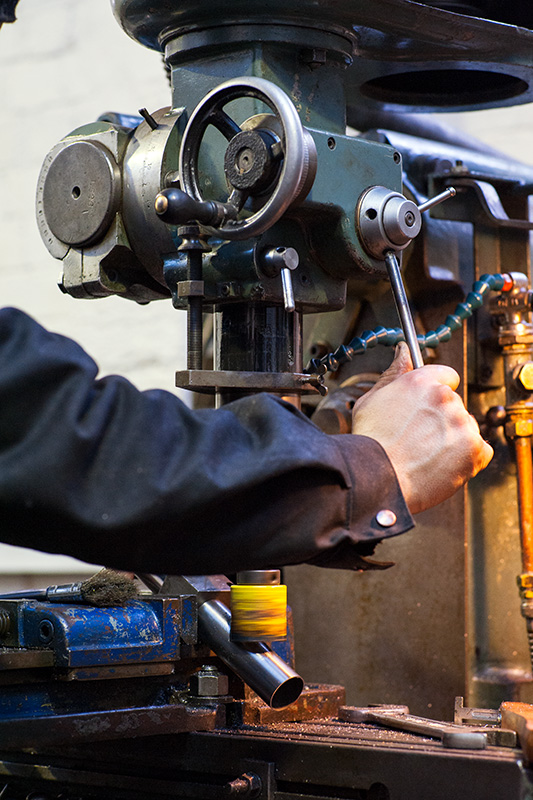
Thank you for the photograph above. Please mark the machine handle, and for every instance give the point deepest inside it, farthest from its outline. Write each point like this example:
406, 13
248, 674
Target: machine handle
178, 208
439, 198
402, 306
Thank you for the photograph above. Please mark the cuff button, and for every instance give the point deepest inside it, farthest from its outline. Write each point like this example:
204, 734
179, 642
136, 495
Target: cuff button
386, 518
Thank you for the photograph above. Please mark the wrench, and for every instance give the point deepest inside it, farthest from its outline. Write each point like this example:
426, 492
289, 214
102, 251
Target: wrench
398, 717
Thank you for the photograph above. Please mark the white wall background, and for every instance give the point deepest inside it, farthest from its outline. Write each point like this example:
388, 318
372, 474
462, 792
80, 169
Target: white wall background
62, 64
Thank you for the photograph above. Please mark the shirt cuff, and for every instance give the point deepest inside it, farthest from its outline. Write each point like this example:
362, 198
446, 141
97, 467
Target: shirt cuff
375, 506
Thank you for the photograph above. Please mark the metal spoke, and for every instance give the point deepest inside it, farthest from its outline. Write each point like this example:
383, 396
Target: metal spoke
238, 198
224, 123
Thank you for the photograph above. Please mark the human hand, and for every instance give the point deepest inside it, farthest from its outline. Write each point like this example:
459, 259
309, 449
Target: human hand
431, 440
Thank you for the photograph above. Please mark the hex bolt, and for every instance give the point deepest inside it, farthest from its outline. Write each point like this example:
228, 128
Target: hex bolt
519, 428
257, 291
209, 682
313, 57
525, 376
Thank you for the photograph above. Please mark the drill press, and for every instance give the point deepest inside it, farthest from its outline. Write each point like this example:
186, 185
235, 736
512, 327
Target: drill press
245, 201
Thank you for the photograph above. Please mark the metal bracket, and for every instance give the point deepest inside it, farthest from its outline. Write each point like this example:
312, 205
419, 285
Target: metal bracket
491, 203
211, 381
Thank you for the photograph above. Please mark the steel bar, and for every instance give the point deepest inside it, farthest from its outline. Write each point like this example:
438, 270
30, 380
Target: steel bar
288, 294
284, 382
439, 198
402, 305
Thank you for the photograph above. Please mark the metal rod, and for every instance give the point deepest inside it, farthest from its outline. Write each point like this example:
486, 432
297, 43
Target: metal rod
524, 467
258, 666
288, 294
439, 198
402, 305
194, 313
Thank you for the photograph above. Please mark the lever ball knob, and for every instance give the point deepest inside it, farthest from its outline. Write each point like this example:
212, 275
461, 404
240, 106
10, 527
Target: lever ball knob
178, 208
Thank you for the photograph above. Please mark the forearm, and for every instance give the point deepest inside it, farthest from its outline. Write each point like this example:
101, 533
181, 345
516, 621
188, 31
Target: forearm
139, 481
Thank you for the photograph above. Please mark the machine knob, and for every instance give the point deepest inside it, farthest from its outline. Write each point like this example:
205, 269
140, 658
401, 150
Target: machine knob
401, 220
178, 208
389, 221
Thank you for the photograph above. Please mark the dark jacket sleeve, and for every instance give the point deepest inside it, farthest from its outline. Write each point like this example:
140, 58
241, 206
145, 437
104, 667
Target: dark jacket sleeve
137, 480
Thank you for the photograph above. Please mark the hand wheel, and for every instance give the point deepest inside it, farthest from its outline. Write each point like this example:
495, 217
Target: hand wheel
270, 158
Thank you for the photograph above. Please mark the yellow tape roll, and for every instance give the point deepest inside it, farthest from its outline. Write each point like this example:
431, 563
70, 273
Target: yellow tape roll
258, 613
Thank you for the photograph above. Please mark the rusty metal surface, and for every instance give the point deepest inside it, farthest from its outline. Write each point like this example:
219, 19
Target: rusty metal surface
212, 380
323, 758
39, 732
316, 701
317, 758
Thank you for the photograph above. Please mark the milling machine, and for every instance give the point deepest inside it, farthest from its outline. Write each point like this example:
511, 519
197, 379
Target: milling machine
248, 204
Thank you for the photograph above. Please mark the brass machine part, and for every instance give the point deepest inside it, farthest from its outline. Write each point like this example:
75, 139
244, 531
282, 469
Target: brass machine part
513, 307
524, 465
258, 607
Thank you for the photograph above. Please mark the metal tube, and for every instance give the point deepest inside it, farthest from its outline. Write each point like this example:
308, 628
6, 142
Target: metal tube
439, 198
524, 466
258, 666
402, 306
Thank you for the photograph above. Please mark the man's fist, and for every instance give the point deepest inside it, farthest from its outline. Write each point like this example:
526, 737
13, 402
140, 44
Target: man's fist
432, 441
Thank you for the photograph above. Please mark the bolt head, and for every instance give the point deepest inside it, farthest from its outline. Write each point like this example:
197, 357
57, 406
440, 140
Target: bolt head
525, 376
525, 580
520, 427
209, 682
